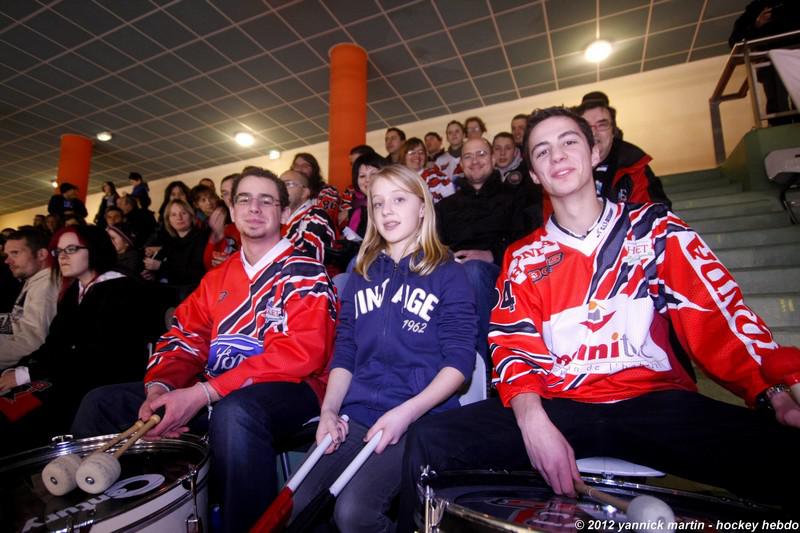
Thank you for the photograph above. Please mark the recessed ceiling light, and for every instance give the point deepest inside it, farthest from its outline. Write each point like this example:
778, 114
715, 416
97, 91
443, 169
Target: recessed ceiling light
274, 154
104, 136
54, 183
598, 51
244, 139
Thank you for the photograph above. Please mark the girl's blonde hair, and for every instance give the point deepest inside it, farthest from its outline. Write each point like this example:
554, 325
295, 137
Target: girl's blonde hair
428, 252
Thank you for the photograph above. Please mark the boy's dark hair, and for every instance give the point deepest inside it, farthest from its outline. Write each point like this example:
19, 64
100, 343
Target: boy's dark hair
66, 187
34, 238
519, 116
135, 176
459, 124
400, 132
504, 135
433, 134
540, 115
283, 193
362, 149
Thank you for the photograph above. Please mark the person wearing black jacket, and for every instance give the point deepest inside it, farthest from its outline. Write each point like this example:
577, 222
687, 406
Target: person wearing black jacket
67, 202
98, 337
479, 221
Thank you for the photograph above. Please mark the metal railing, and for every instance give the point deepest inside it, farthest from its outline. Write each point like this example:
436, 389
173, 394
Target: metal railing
753, 55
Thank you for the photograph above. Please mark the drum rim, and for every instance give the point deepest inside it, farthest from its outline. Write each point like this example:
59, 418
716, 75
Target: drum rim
728, 499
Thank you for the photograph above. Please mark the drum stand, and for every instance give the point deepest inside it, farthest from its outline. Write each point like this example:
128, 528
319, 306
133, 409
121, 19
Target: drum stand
433, 508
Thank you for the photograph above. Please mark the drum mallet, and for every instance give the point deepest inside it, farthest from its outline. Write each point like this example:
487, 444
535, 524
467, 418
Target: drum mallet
784, 366
100, 470
59, 474
645, 510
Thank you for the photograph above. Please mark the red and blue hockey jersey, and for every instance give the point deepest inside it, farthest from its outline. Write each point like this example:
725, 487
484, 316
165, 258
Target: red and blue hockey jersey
589, 319
311, 229
276, 326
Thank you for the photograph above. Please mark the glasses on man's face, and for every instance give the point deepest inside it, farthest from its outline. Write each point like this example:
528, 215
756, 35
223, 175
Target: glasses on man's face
474, 128
293, 184
602, 125
263, 200
476, 155
69, 250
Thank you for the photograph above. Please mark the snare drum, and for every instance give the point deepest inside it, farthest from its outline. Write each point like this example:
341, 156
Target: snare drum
481, 501
162, 488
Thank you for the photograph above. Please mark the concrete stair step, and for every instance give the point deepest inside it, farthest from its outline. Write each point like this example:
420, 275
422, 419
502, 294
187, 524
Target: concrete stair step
761, 280
705, 225
787, 336
777, 310
735, 198
721, 240
742, 210
761, 256
721, 190
698, 176
676, 188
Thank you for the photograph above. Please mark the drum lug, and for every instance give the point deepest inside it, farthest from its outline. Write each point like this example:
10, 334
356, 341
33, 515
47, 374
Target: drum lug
193, 523
433, 507
61, 439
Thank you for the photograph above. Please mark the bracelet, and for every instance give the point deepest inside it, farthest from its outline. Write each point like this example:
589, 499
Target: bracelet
775, 389
210, 408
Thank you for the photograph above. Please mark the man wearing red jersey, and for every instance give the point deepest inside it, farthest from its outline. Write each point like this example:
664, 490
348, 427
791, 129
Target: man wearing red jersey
254, 340
579, 338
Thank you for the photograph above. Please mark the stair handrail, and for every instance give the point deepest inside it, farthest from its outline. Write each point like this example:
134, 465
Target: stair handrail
743, 53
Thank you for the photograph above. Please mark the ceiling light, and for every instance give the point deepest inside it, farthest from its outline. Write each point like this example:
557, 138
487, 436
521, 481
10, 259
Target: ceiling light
244, 139
274, 154
598, 51
104, 136
54, 183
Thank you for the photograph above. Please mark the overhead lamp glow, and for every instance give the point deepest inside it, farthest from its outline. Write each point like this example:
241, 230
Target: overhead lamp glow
598, 51
274, 154
244, 139
104, 136
54, 183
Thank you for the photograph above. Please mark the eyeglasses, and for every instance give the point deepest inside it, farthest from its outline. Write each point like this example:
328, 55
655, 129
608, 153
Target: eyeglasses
474, 128
293, 184
603, 125
69, 250
416, 152
478, 154
265, 200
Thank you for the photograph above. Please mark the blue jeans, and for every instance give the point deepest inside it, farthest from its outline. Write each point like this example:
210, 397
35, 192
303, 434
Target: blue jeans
242, 432
482, 277
364, 503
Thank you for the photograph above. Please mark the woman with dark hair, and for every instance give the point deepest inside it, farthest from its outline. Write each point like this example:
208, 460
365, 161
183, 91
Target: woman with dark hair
98, 337
325, 196
176, 190
179, 262
414, 156
363, 169
109, 199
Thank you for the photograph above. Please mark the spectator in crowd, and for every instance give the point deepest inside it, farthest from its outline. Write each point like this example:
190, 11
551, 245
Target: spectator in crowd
433, 147
623, 174
394, 139
10, 286
53, 223
224, 238
140, 222
208, 182
363, 169
24, 329
40, 222
109, 199
307, 227
513, 170
264, 372
73, 220
518, 129
347, 194
449, 162
475, 127
376, 350
602, 98
325, 196
358, 151
478, 222
114, 216
583, 361
141, 191
96, 337
414, 156
204, 201
762, 18
176, 190
129, 258
179, 262
66, 202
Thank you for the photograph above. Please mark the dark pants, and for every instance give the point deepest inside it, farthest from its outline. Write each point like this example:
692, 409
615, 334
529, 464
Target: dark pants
482, 277
678, 432
242, 432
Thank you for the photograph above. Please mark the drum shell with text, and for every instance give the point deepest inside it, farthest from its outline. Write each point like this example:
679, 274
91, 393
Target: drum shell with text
162, 485
484, 501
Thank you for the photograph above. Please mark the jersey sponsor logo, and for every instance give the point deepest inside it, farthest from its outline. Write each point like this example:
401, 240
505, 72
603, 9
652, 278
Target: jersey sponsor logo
416, 301
551, 261
636, 251
722, 288
530, 257
228, 351
514, 177
222, 296
595, 319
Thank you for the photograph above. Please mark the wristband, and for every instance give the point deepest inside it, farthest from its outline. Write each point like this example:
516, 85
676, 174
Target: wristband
210, 408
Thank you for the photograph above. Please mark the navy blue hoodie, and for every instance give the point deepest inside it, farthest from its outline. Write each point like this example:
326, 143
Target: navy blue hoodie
398, 330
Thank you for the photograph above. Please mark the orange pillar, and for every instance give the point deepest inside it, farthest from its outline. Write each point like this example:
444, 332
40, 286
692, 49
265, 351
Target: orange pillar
347, 109
74, 161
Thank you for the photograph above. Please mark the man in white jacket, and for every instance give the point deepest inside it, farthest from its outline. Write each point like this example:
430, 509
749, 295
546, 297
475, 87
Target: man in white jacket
24, 329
